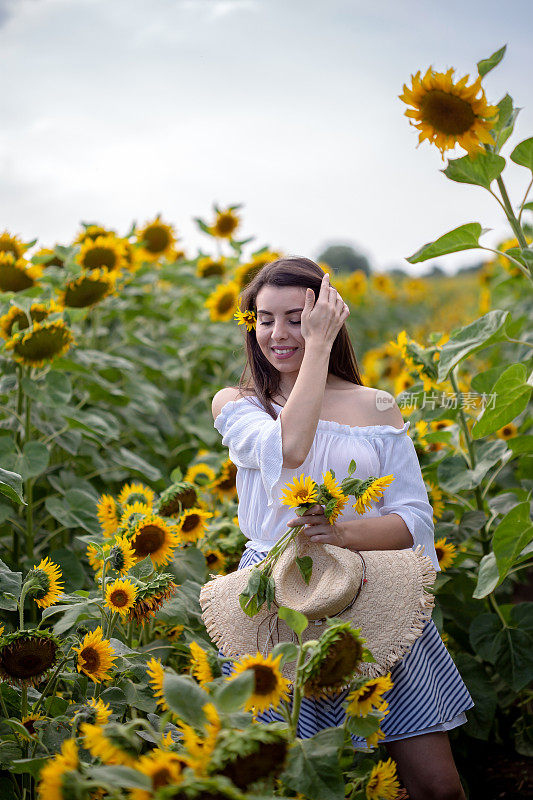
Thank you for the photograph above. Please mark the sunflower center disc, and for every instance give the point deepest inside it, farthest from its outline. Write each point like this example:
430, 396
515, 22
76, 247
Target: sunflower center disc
447, 113
265, 679
190, 523
91, 658
156, 239
161, 778
225, 303
100, 257
119, 598
148, 541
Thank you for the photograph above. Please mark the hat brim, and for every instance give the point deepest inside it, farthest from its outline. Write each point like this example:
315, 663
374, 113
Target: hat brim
391, 611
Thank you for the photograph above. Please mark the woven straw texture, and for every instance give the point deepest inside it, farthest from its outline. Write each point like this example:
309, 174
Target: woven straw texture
391, 610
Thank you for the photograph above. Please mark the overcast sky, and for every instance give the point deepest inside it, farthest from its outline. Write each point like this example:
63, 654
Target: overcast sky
114, 110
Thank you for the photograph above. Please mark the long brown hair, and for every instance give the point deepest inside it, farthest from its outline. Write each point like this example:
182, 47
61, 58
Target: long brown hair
263, 376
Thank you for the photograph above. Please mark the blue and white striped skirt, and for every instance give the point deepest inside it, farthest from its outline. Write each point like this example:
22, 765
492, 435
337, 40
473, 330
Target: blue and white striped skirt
428, 695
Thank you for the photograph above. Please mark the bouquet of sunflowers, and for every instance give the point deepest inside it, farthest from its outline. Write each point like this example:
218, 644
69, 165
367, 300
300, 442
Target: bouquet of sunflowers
302, 494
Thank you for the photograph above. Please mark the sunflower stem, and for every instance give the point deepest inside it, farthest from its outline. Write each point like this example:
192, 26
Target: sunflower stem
3, 705
49, 684
515, 225
524, 202
297, 690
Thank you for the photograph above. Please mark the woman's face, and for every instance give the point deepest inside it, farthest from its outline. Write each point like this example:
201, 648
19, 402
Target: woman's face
279, 310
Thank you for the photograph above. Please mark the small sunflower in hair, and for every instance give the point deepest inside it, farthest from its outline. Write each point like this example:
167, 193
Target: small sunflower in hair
247, 318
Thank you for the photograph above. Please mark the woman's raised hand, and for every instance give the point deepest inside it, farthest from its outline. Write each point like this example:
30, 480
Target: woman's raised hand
322, 320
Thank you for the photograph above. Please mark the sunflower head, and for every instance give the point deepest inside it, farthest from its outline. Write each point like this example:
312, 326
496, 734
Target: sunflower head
223, 302
156, 239
111, 744
120, 596
106, 510
208, 267
136, 492
12, 244
95, 656
333, 661
383, 783
301, 492
215, 560
508, 431
29, 721
246, 756
17, 274
105, 253
45, 583
201, 474
17, 320
163, 768
154, 537
40, 344
48, 258
225, 485
192, 524
178, 497
156, 676
246, 318
151, 596
53, 780
122, 555
89, 289
91, 233
270, 687
98, 711
368, 695
369, 491
445, 552
449, 113
225, 224
27, 656
199, 664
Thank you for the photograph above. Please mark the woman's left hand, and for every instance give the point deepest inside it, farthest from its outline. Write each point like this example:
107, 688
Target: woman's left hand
318, 529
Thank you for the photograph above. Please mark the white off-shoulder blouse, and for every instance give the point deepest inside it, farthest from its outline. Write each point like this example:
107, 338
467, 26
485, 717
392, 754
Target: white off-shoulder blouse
255, 447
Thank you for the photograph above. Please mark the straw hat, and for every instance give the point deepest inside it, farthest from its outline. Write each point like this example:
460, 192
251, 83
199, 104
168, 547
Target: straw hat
382, 592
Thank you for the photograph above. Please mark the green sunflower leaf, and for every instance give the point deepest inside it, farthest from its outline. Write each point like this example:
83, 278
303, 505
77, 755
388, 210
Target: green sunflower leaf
185, 698
504, 125
486, 64
481, 170
486, 330
523, 154
296, 621
512, 396
465, 237
11, 485
233, 694
305, 565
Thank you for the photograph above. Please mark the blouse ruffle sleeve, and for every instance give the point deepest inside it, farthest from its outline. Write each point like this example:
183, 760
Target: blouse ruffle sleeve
253, 439
407, 495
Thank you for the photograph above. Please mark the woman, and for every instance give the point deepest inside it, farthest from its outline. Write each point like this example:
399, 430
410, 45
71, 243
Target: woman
301, 360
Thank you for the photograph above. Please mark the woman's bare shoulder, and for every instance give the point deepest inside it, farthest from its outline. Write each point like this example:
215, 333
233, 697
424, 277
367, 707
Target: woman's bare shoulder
377, 407
225, 395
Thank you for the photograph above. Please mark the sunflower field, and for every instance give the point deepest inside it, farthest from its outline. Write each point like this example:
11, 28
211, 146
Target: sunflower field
117, 501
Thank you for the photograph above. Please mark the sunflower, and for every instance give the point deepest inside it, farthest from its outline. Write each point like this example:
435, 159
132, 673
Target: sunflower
95, 656
91, 233
53, 772
122, 555
105, 253
156, 675
201, 473
421, 429
507, 432
206, 267
179, 496
29, 720
368, 696
416, 289
383, 283
370, 490
448, 113
45, 579
445, 552
383, 783
247, 318
225, 224
505, 262
162, 768
440, 424
270, 687
154, 537
110, 747
12, 244
356, 284
48, 258
215, 559
485, 301
199, 748
88, 289
120, 596
245, 273
435, 498
223, 302
156, 239
193, 524
136, 492
402, 382
27, 656
246, 756
17, 274
175, 632
302, 490
106, 511
333, 660
225, 485
337, 499
132, 509
199, 664
16, 316
151, 596
41, 343
374, 738
101, 709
